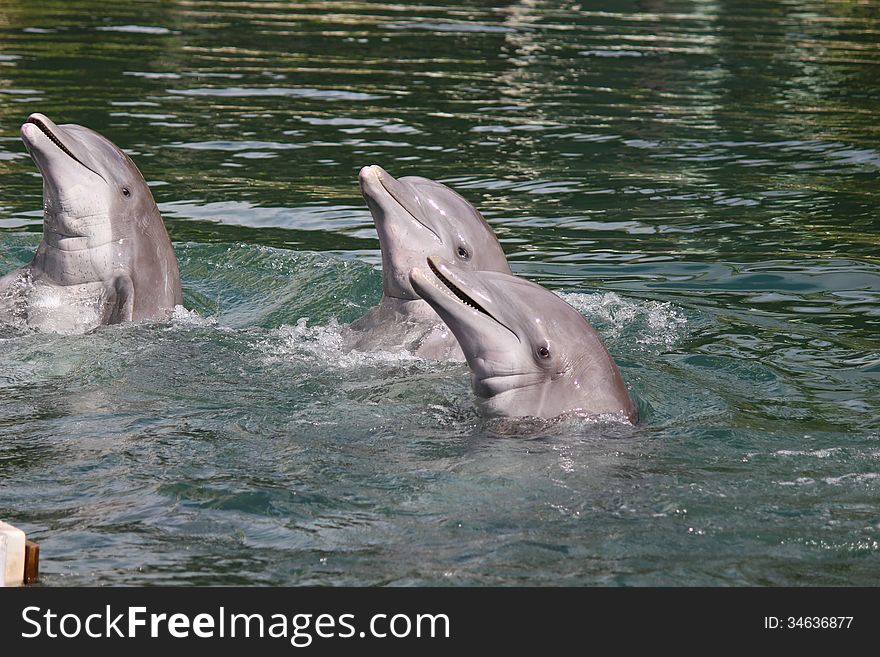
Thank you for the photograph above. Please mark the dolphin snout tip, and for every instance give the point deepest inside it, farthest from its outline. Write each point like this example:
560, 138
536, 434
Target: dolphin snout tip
35, 117
32, 125
369, 176
370, 171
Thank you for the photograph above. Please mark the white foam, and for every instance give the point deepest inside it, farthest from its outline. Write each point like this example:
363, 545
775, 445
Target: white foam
818, 453
852, 476
656, 324
181, 317
800, 481
326, 345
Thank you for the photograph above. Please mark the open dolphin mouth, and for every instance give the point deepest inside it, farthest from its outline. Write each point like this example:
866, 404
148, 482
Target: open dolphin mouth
466, 299
55, 140
458, 292
45, 130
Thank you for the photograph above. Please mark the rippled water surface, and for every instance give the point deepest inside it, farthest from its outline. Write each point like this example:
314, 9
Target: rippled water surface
700, 179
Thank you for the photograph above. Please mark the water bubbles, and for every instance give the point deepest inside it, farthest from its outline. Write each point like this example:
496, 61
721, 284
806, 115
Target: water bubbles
325, 345
652, 325
181, 317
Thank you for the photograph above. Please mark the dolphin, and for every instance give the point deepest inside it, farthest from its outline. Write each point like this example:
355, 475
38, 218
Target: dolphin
105, 256
416, 217
530, 353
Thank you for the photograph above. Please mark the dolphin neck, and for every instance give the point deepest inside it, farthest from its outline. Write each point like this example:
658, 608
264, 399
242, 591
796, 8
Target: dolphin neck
69, 231
75, 261
58, 242
411, 307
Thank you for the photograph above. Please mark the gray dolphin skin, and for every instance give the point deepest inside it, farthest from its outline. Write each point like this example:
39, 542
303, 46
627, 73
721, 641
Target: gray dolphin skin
530, 353
417, 217
105, 256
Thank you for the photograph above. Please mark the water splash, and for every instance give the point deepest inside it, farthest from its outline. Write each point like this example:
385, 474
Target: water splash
653, 325
325, 345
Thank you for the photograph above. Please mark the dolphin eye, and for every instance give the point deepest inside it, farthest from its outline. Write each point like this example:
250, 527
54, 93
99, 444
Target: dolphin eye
463, 253
543, 352
126, 191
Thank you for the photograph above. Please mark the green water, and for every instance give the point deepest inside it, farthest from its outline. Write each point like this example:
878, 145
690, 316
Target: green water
700, 179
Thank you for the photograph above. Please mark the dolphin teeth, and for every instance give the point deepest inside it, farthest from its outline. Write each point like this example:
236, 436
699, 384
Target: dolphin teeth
45, 130
464, 298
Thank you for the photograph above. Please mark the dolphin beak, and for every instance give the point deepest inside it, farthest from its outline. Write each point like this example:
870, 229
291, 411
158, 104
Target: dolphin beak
36, 117
377, 185
459, 302
400, 192
40, 123
373, 180
368, 178
429, 287
454, 284
37, 124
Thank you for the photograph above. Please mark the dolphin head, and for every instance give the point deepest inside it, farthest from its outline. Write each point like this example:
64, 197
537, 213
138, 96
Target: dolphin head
530, 353
416, 217
92, 191
100, 221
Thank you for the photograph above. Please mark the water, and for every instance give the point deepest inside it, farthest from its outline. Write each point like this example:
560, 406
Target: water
700, 179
